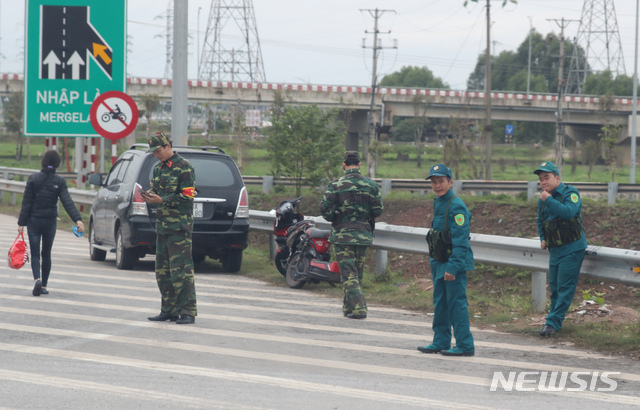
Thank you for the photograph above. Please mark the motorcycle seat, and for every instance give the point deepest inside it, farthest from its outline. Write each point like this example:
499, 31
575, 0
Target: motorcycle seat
319, 233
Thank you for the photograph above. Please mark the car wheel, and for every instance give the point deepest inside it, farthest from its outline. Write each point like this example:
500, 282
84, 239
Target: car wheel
125, 257
294, 278
94, 253
232, 261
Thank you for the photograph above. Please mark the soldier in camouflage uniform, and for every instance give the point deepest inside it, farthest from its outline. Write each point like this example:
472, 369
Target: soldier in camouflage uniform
173, 188
351, 204
561, 232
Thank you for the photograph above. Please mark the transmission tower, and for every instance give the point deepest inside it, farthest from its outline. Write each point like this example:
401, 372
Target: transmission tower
231, 48
599, 36
168, 67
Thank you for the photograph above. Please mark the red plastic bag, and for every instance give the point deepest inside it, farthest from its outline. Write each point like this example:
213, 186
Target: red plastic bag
18, 255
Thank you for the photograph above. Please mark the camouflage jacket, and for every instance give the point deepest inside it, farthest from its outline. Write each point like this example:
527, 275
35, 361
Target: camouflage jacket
174, 181
350, 203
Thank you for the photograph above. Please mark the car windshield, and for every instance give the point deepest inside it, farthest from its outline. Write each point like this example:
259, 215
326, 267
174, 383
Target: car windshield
214, 174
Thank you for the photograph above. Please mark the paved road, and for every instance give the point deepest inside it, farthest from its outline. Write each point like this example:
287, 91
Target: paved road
88, 344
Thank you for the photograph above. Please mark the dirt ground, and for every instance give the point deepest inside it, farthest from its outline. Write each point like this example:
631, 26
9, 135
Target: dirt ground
605, 226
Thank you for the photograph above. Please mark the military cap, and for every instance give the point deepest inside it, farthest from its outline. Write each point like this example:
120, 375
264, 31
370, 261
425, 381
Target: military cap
351, 156
158, 140
547, 167
440, 170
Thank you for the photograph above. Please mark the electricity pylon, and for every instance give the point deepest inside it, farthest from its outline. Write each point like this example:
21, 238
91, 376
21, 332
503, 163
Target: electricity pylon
599, 37
231, 48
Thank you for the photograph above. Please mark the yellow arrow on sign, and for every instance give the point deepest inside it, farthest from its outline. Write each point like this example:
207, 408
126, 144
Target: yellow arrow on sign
98, 50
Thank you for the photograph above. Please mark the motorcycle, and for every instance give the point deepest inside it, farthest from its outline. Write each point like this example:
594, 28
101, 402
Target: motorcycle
286, 217
309, 260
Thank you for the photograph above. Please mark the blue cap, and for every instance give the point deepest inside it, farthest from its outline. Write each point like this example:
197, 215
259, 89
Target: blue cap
440, 170
547, 167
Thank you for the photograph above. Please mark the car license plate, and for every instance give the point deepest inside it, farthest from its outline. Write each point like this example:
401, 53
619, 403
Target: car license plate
197, 210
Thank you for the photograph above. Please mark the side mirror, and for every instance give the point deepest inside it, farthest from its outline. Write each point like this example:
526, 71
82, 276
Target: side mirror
95, 179
272, 212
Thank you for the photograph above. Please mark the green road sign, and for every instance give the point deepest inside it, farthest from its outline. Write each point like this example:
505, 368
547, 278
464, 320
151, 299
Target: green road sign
75, 50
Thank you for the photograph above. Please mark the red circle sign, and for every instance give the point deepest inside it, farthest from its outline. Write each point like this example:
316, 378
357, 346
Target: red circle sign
114, 115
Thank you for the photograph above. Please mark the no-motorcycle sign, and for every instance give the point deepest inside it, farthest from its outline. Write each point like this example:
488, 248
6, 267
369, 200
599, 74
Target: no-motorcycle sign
114, 115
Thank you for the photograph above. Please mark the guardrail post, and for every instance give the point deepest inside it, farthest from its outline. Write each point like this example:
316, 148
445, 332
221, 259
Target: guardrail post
267, 184
272, 246
612, 192
532, 187
386, 187
457, 186
538, 291
12, 198
381, 262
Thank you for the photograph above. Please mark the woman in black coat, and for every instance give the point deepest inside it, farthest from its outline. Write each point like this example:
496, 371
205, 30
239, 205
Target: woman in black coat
39, 214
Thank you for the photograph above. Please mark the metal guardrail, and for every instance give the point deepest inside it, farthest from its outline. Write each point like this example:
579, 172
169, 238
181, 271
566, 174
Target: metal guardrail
601, 263
10, 173
79, 196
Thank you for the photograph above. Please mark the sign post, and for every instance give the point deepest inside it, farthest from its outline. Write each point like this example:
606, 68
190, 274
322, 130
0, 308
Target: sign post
508, 133
75, 50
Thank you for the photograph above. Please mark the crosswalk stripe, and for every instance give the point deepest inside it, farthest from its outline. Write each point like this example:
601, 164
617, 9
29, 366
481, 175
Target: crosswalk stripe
311, 342
158, 396
493, 345
235, 376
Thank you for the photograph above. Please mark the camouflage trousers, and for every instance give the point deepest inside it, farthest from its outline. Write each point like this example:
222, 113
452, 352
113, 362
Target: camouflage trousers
351, 261
174, 273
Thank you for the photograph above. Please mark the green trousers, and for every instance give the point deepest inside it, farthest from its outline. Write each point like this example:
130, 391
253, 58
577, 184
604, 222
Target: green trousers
563, 277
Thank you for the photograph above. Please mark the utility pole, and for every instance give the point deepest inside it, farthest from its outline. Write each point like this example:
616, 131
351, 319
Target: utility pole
529, 60
179, 97
487, 96
632, 162
559, 122
370, 136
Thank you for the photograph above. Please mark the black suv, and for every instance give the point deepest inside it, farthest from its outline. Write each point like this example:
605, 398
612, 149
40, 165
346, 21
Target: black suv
121, 222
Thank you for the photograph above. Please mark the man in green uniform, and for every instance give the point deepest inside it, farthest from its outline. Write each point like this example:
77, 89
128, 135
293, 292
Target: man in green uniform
351, 204
561, 232
173, 189
450, 258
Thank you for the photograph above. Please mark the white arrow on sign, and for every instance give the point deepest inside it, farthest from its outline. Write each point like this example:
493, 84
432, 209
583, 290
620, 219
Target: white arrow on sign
51, 61
75, 62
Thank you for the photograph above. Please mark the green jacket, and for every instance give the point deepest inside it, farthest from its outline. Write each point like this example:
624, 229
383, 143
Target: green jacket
174, 181
564, 203
458, 222
350, 203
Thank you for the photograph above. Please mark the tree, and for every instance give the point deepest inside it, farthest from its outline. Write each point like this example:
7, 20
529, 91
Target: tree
413, 76
609, 132
602, 83
591, 154
13, 112
150, 102
305, 142
419, 122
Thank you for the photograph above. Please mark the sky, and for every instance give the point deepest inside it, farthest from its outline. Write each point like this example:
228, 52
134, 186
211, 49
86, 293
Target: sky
321, 41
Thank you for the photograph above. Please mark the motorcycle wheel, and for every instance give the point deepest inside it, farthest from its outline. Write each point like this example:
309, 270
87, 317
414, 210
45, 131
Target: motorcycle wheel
295, 279
106, 117
281, 264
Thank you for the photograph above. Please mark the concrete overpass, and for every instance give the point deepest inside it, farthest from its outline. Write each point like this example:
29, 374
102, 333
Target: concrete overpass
581, 113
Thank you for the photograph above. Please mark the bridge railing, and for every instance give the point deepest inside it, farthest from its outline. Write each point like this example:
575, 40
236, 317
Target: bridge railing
612, 189
602, 263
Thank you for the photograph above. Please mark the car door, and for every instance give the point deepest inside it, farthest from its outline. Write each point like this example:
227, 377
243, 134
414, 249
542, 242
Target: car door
114, 188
